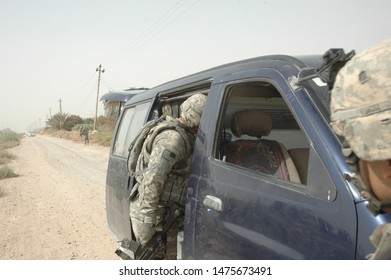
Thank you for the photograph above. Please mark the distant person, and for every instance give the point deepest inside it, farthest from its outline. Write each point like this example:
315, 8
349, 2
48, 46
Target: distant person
84, 133
361, 113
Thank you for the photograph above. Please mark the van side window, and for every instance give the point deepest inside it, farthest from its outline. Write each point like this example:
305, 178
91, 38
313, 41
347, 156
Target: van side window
134, 118
259, 134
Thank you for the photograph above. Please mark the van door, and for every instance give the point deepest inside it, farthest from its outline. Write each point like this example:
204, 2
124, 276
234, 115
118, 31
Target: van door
117, 181
238, 212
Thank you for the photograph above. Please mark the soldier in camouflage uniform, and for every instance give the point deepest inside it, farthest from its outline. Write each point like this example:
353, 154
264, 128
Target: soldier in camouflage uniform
361, 113
84, 132
164, 166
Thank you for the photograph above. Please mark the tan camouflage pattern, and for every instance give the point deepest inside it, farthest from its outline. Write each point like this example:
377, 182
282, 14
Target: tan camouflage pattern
381, 239
168, 153
192, 108
361, 103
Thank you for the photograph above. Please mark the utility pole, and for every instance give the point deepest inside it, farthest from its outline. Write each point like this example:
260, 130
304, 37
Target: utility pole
100, 70
60, 113
60, 106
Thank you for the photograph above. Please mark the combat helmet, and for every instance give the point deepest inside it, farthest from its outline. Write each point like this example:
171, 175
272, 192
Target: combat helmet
191, 109
361, 103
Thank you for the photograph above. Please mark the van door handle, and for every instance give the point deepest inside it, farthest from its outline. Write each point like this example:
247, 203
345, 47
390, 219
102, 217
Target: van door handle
213, 202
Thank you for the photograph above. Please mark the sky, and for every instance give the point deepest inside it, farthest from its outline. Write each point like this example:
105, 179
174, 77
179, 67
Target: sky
50, 49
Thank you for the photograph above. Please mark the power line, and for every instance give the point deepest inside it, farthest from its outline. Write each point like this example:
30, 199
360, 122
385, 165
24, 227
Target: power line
158, 25
108, 83
85, 92
85, 84
146, 32
180, 15
89, 92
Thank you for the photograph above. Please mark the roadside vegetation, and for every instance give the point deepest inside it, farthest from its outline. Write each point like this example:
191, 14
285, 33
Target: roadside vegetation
68, 126
101, 136
8, 139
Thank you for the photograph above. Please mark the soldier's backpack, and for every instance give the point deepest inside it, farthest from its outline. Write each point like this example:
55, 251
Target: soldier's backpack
137, 144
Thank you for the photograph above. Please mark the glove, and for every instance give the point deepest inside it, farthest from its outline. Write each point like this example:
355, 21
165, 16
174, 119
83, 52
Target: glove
145, 233
381, 239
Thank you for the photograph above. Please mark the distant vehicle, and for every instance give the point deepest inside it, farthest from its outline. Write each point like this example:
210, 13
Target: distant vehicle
30, 134
269, 179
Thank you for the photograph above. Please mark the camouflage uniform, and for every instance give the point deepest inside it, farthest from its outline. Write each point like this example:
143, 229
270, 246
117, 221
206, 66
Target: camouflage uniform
84, 132
164, 166
361, 113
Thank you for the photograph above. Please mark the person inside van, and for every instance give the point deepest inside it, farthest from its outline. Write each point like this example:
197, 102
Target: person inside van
361, 113
161, 174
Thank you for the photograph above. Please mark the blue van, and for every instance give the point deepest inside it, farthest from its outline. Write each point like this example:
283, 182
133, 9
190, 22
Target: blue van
301, 202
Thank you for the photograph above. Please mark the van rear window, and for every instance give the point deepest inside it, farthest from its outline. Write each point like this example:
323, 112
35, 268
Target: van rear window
132, 120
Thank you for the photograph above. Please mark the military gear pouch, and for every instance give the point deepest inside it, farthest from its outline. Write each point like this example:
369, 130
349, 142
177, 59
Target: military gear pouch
174, 189
137, 144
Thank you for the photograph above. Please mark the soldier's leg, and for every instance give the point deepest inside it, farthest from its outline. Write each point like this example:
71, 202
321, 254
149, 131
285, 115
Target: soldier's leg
142, 232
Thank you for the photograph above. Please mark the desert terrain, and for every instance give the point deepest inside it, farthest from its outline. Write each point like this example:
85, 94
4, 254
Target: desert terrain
55, 208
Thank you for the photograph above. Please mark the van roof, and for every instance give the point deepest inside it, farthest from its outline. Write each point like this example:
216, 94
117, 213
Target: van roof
120, 95
307, 61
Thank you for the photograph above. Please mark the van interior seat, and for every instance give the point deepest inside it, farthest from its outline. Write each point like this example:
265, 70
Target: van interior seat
266, 156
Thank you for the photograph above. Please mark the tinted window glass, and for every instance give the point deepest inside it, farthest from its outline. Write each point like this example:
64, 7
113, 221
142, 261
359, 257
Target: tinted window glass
132, 120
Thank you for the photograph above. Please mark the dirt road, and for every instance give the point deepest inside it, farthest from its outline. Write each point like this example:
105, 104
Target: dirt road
55, 209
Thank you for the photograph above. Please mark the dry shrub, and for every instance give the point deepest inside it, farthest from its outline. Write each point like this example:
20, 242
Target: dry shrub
69, 135
5, 157
6, 172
